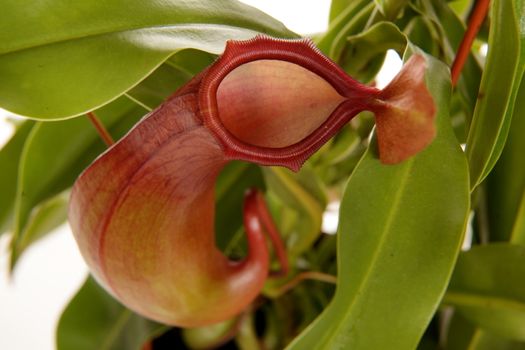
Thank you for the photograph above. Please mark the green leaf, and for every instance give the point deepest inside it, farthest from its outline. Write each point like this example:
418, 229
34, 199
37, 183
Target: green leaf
61, 58
363, 57
464, 335
398, 240
461, 7
338, 6
302, 193
420, 32
9, 160
56, 153
350, 21
94, 320
164, 81
483, 340
488, 289
498, 90
391, 8
79, 143
154, 90
506, 183
44, 218
451, 30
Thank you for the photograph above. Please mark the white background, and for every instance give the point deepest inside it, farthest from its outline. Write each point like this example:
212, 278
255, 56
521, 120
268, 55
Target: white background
51, 271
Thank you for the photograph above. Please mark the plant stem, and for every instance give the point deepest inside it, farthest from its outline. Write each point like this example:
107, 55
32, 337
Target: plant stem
271, 229
306, 275
476, 19
103, 133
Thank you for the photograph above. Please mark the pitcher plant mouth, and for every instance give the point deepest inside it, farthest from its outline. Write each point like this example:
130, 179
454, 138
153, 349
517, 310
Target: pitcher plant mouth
354, 97
143, 213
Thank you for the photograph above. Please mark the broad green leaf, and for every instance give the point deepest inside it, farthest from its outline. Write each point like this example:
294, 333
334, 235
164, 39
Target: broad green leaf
60, 58
348, 22
301, 193
398, 239
506, 183
391, 8
451, 30
420, 32
461, 7
56, 153
44, 218
500, 82
463, 335
118, 116
357, 24
363, 57
483, 340
338, 6
9, 160
488, 288
191, 61
164, 81
160, 84
94, 320
459, 118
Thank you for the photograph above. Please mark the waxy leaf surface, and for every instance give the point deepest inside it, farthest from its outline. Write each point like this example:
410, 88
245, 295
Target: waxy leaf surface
463, 334
56, 153
397, 241
364, 55
9, 161
60, 58
506, 183
79, 138
391, 8
451, 29
488, 289
95, 320
499, 86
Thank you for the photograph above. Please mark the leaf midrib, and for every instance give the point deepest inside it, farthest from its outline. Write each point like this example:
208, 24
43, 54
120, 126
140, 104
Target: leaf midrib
330, 338
117, 31
471, 299
114, 332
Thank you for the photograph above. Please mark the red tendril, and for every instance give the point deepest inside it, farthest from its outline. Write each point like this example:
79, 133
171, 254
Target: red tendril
476, 19
255, 207
103, 133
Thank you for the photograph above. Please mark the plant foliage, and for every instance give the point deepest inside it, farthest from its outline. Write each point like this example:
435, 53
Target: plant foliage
403, 281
